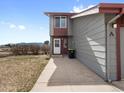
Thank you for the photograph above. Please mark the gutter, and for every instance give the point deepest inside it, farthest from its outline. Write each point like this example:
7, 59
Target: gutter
115, 18
108, 64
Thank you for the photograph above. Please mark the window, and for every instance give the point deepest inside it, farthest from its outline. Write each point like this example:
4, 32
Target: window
57, 21
56, 43
63, 22
60, 22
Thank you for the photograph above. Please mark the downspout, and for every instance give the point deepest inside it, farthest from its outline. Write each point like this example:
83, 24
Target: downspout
108, 64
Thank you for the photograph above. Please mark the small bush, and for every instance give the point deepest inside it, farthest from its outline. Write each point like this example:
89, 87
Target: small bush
45, 49
35, 49
25, 49
15, 50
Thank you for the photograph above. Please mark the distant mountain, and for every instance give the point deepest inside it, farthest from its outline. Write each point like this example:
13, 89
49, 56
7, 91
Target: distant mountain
33, 43
39, 44
3, 46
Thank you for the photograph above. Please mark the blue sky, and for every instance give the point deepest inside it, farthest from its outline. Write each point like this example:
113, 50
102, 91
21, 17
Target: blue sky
24, 20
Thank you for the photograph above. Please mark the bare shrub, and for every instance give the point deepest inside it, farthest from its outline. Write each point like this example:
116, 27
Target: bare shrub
25, 49
35, 49
45, 49
15, 50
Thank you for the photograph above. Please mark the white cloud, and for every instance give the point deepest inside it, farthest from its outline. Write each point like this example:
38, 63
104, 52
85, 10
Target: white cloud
77, 0
12, 26
21, 27
77, 9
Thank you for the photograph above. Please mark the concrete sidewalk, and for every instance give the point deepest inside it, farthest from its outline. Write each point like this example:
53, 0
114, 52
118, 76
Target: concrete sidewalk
119, 84
69, 75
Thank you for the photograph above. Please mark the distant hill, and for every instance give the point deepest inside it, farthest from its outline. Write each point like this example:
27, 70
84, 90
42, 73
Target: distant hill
39, 44
33, 43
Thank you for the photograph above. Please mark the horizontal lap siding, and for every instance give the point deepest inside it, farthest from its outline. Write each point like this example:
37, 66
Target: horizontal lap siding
51, 25
89, 38
69, 27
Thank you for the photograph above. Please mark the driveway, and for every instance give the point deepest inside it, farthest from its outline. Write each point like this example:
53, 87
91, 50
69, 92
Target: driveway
64, 74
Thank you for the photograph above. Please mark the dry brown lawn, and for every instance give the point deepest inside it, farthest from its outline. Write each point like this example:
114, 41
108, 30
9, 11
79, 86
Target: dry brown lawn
19, 73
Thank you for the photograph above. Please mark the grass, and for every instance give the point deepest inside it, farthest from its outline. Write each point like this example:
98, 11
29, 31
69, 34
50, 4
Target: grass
19, 73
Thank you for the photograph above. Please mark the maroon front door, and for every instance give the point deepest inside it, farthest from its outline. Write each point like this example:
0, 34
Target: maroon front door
64, 45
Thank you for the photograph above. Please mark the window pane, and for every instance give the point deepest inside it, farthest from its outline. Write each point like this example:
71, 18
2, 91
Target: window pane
57, 21
56, 43
63, 22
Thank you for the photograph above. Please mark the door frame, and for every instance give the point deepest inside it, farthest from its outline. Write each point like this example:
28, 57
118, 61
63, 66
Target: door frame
54, 45
118, 48
118, 53
121, 53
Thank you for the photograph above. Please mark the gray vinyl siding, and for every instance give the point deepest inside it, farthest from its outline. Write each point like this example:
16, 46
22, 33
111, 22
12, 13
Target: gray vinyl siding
89, 41
70, 43
51, 24
111, 48
70, 38
51, 43
69, 27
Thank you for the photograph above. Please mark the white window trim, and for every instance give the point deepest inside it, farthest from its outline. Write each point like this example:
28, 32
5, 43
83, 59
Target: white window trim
60, 22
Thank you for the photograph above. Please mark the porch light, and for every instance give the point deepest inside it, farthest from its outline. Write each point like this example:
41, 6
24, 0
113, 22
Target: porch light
114, 25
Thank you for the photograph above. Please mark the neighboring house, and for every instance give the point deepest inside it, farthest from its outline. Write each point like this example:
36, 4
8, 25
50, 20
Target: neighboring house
97, 35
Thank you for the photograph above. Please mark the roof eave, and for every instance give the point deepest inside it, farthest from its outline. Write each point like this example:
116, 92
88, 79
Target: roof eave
92, 10
100, 8
59, 13
112, 8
